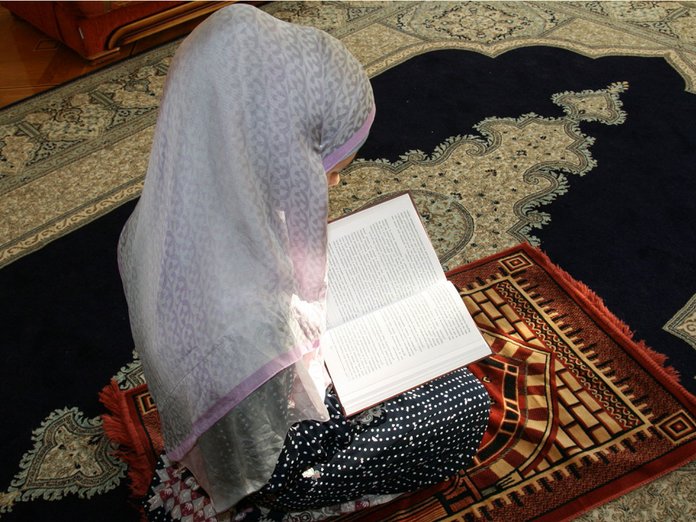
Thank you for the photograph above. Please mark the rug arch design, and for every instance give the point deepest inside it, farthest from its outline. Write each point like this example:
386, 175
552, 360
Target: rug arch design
517, 164
680, 63
70, 456
377, 34
642, 29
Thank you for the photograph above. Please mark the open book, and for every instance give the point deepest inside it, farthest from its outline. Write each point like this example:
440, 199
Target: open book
394, 321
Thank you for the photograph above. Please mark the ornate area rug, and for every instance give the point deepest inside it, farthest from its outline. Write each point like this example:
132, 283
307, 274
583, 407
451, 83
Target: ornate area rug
581, 412
604, 88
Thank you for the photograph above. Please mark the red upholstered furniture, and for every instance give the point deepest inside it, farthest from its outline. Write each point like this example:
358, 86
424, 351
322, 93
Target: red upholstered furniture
97, 29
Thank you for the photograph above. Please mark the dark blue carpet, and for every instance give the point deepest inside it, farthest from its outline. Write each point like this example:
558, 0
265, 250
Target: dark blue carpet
626, 229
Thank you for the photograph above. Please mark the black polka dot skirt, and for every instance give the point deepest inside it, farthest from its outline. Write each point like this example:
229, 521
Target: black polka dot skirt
416, 439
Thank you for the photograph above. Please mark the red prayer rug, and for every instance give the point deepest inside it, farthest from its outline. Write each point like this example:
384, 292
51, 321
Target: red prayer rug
581, 412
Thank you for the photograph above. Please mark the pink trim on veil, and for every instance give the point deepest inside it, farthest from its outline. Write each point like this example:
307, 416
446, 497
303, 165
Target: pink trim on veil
352, 145
236, 395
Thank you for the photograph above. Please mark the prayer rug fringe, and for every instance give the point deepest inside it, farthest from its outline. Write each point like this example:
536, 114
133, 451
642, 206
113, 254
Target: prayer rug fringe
592, 298
654, 360
649, 358
119, 428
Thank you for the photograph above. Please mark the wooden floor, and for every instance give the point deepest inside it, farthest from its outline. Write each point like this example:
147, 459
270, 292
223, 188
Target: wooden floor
31, 62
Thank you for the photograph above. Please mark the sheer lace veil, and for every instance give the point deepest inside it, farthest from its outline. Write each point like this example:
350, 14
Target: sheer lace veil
223, 261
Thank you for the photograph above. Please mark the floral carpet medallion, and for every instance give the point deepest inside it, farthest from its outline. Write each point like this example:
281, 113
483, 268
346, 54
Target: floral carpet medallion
683, 324
55, 134
488, 22
517, 165
70, 456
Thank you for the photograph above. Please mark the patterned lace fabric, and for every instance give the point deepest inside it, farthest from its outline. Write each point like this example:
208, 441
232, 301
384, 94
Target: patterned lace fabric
223, 261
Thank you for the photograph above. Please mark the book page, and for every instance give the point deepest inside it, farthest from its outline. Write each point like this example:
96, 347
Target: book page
401, 346
378, 256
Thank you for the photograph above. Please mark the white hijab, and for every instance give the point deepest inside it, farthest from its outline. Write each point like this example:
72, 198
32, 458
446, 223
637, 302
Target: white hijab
224, 259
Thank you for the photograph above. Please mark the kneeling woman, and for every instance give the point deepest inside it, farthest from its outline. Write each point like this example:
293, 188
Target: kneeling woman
224, 269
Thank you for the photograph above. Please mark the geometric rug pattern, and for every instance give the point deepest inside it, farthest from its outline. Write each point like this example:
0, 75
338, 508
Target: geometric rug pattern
581, 412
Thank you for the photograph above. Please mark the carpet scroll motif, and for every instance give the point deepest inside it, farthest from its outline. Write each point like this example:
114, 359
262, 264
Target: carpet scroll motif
517, 165
683, 324
596, 414
70, 456
55, 134
65, 134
